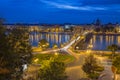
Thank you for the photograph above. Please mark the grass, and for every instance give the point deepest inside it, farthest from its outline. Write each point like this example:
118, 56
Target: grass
44, 57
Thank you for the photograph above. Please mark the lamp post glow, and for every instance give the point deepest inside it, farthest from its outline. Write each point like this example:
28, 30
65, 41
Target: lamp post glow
36, 60
56, 53
88, 51
77, 47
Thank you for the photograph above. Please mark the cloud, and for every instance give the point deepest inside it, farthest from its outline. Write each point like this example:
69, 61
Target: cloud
100, 2
71, 7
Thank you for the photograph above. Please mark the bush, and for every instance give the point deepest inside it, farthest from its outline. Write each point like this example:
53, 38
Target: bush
94, 76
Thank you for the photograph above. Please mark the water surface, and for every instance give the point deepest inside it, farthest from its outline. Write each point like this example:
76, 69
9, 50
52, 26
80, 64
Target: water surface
52, 38
100, 42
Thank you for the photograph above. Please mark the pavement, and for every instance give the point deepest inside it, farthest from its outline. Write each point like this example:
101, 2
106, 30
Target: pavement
74, 70
107, 74
117, 76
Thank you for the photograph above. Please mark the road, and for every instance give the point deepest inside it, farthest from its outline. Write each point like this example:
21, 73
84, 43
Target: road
74, 69
65, 48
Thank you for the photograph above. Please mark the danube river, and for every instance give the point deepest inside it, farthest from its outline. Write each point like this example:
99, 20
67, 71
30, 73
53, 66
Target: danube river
100, 42
52, 38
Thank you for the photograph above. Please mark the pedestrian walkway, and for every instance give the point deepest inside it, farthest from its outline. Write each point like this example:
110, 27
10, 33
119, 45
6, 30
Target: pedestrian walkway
107, 74
117, 76
74, 70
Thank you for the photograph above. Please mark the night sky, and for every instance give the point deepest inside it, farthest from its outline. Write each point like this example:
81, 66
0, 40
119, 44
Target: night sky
60, 11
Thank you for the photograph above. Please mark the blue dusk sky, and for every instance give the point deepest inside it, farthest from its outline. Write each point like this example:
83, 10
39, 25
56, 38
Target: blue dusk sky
60, 11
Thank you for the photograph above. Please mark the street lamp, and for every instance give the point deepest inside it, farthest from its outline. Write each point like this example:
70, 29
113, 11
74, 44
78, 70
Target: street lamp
88, 51
90, 46
77, 47
36, 60
56, 53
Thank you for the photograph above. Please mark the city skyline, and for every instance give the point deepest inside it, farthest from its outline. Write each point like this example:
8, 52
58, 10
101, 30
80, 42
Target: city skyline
60, 11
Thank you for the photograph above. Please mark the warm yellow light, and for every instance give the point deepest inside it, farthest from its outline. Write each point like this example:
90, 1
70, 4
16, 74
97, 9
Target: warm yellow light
88, 51
43, 45
56, 53
36, 60
91, 46
77, 47
47, 44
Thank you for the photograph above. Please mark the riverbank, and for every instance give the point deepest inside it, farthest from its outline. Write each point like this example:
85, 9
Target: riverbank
105, 33
97, 52
54, 32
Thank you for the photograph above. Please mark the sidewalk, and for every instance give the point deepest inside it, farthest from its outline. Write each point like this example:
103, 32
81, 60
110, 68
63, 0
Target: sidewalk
117, 76
107, 74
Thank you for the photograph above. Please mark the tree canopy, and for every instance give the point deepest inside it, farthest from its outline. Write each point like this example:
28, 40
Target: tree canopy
15, 50
116, 63
43, 44
55, 46
90, 67
53, 70
113, 48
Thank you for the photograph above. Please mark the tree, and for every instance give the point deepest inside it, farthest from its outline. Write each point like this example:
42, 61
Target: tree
53, 70
116, 63
91, 68
5, 55
113, 48
43, 44
21, 48
15, 50
116, 66
55, 46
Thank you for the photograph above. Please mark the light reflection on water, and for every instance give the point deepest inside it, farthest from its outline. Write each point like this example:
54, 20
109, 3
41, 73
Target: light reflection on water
100, 42
52, 38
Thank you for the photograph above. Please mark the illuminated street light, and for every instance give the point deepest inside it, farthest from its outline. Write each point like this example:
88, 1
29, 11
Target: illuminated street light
91, 46
36, 60
47, 44
77, 47
88, 51
56, 53
43, 45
